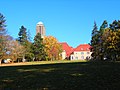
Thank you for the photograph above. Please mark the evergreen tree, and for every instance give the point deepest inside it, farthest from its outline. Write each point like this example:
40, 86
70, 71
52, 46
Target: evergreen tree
22, 35
2, 36
95, 29
115, 26
94, 41
101, 40
38, 48
106, 43
104, 25
24, 40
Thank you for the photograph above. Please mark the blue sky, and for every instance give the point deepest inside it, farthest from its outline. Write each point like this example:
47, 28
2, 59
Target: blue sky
69, 21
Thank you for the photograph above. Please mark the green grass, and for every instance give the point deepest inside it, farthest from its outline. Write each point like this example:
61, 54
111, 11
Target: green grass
61, 76
54, 62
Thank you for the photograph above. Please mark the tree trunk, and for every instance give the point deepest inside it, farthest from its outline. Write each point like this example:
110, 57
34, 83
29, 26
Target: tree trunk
23, 59
33, 58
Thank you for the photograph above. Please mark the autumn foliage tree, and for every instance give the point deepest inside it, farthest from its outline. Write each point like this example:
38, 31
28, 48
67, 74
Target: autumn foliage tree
108, 42
16, 50
52, 48
2, 36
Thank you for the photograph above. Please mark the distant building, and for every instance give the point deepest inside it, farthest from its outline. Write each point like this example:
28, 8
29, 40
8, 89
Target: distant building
82, 52
67, 50
40, 28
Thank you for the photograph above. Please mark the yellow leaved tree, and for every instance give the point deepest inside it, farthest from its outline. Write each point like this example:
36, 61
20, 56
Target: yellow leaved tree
52, 48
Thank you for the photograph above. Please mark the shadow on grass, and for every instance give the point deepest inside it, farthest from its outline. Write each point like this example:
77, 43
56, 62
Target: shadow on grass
65, 76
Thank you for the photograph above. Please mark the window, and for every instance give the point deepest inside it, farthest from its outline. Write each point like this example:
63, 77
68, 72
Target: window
88, 52
82, 57
72, 57
82, 53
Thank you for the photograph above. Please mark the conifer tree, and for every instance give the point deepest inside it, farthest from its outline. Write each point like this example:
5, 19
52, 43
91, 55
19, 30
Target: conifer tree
95, 29
38, 48
22, 35
24, 40
94, 41
101, 40
106, 43
2, 36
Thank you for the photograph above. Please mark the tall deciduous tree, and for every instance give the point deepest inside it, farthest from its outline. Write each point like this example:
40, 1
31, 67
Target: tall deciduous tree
52, 48
16, 50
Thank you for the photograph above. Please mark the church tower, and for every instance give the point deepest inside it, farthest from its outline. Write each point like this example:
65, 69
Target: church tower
40, 29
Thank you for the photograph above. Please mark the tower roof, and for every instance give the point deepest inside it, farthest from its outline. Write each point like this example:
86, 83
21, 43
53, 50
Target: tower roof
40, 23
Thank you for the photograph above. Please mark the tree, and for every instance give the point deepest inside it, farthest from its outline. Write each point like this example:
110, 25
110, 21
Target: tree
115, 39
104, 25
106, 43
24, 40
111, 47
115, 25
118, 44
2, 36
101, 39
95, 41
16, 50
95, 29
22, 35
38, 48
52, 48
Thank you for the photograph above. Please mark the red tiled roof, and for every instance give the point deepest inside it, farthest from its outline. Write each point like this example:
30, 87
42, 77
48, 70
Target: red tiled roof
83, 47
67, 48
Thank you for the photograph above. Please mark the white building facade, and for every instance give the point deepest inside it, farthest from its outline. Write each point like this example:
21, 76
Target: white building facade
80, 55
82, 52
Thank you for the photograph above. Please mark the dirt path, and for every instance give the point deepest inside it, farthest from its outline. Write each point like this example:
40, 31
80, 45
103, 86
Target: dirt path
13, 64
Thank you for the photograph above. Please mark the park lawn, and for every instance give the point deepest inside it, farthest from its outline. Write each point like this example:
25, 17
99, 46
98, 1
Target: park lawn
61, 76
